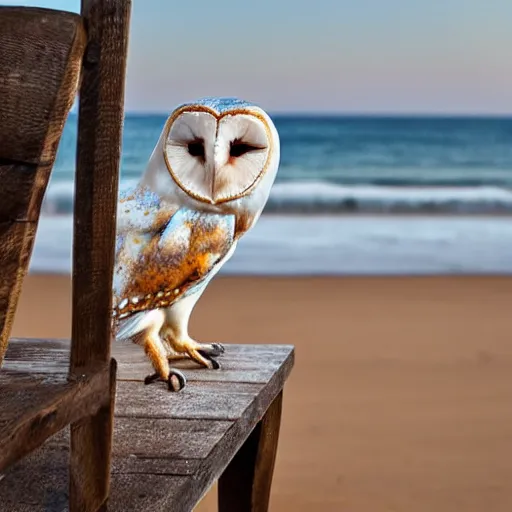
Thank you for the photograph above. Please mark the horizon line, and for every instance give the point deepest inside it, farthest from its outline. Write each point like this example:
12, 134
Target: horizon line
347, 114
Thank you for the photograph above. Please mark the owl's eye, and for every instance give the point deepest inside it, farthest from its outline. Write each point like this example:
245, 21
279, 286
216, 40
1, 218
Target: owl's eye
239, 148
196, 149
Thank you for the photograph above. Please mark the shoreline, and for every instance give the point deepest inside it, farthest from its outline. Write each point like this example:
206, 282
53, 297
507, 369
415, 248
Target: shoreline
338, 245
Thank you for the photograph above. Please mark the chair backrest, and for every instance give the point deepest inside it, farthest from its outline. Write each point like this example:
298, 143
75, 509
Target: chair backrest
41, 54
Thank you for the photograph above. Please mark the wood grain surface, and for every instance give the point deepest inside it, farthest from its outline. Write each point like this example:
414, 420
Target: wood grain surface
169, 448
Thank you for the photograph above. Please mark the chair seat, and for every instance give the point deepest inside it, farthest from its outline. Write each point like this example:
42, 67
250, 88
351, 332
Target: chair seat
169, 448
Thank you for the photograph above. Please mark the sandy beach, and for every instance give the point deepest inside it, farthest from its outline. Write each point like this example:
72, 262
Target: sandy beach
400, 399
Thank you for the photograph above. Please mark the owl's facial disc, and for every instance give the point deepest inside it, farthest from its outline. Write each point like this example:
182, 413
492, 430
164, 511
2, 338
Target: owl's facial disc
217, 158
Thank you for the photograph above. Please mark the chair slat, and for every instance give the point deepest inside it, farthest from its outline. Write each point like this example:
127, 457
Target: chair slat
40, 59
100, 125
40, 62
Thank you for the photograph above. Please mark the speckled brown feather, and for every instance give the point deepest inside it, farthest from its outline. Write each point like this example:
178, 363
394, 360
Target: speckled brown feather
244, 221
168, 266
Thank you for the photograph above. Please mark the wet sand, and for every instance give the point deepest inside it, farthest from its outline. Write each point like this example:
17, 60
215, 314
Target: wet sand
400, 399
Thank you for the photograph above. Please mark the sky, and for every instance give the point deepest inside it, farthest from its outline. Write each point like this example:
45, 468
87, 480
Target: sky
333, 56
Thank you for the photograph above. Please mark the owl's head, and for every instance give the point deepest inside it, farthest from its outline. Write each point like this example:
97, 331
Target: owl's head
217, 151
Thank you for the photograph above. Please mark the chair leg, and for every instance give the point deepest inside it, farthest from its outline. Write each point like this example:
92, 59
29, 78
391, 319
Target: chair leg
90, 456
246, 482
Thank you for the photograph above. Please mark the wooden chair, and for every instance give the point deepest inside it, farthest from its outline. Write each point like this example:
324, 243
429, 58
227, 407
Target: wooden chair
43, 55
62, 401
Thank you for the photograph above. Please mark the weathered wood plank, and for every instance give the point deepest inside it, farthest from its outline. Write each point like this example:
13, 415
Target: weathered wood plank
35, 407
40, 55
246, 482
149, 492
37, 356
163, 438
100, 125
161, 466
202, 400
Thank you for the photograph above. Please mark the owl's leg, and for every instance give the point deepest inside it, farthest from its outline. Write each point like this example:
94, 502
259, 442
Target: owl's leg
155, 349
175, 333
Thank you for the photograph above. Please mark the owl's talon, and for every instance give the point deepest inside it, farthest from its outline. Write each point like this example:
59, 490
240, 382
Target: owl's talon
176, 381
211, 349
218, 347
213, 364
151, 378
201, 353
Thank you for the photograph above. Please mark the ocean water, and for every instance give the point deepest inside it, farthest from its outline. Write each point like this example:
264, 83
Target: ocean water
437, 168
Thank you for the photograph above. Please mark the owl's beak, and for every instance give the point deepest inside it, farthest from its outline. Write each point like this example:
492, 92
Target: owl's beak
219, 161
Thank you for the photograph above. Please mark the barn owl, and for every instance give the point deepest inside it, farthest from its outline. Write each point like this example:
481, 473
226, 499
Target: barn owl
206, 184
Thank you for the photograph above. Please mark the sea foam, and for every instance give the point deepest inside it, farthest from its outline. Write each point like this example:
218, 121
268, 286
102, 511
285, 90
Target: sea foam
323, 197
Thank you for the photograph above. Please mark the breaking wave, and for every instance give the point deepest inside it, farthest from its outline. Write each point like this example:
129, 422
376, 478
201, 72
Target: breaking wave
322, 197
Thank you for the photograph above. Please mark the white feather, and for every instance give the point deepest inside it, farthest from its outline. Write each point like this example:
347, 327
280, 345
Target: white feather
138, 323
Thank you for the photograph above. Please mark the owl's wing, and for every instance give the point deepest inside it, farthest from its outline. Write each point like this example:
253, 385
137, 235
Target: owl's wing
140, 210
155, 269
